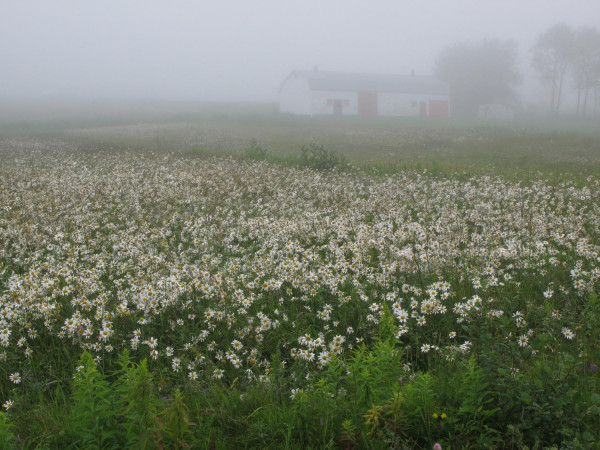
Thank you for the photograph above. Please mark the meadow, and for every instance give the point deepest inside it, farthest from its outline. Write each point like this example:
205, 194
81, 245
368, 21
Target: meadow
223, 280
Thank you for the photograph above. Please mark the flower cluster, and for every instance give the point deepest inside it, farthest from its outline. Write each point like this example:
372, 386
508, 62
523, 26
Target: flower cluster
204, 265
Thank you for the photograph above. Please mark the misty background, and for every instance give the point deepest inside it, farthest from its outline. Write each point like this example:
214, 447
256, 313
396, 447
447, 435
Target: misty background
241, 51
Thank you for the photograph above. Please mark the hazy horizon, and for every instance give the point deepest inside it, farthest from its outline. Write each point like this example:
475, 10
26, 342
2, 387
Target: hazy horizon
241, 51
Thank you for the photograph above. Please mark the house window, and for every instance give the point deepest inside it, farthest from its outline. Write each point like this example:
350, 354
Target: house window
346, 102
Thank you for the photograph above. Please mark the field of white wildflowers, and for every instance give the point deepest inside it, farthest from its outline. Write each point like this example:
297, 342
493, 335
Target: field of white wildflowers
209, 266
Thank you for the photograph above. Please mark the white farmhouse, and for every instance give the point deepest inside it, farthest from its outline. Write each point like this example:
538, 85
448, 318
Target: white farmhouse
333, 93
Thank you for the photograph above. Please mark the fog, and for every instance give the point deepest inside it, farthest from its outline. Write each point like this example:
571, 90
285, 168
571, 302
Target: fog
238, 50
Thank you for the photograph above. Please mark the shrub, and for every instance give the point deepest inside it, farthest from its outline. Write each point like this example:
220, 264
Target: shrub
93, 416
316, 157
255, 151
106, 414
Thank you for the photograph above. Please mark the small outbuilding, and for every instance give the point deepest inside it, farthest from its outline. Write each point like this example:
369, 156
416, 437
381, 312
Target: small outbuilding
336, 93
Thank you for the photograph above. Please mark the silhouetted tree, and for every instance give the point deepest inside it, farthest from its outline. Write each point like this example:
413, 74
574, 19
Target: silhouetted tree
484, 72
552, 55
585, 64
596, 90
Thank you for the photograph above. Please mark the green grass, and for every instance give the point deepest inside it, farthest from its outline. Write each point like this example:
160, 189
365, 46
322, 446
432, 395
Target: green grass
526, 145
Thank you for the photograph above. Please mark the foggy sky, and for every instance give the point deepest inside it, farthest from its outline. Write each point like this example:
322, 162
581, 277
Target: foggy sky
240, 50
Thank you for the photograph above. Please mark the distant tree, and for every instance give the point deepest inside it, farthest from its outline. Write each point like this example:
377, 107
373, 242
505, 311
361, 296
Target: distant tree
596, 89
484, 72
585, 65
552, 55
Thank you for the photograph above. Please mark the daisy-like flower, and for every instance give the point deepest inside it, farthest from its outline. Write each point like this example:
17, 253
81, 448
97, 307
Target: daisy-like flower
402, 315
523, 340
403, 329
425, 348
324, 357
568, 333
105, 334
8, 404
15, 377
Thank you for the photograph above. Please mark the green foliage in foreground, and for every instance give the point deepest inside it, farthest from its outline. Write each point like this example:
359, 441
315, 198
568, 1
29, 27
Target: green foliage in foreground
316, 157
313, 156
367, 399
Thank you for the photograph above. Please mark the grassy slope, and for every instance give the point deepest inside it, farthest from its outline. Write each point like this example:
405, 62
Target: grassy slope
512, 148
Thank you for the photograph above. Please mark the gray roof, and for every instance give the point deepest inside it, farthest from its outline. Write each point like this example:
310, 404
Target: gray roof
356, 82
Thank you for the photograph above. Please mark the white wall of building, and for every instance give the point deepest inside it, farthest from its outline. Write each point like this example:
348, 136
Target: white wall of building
323, 102
405, 105
396, 104
296, 97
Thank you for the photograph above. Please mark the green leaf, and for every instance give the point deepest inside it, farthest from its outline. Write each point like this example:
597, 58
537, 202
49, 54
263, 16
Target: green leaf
525, 397
587, 436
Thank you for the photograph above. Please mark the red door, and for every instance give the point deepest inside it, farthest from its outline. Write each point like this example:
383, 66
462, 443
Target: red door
438, 108
367, 104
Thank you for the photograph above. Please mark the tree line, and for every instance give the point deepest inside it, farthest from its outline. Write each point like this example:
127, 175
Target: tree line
487, 71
